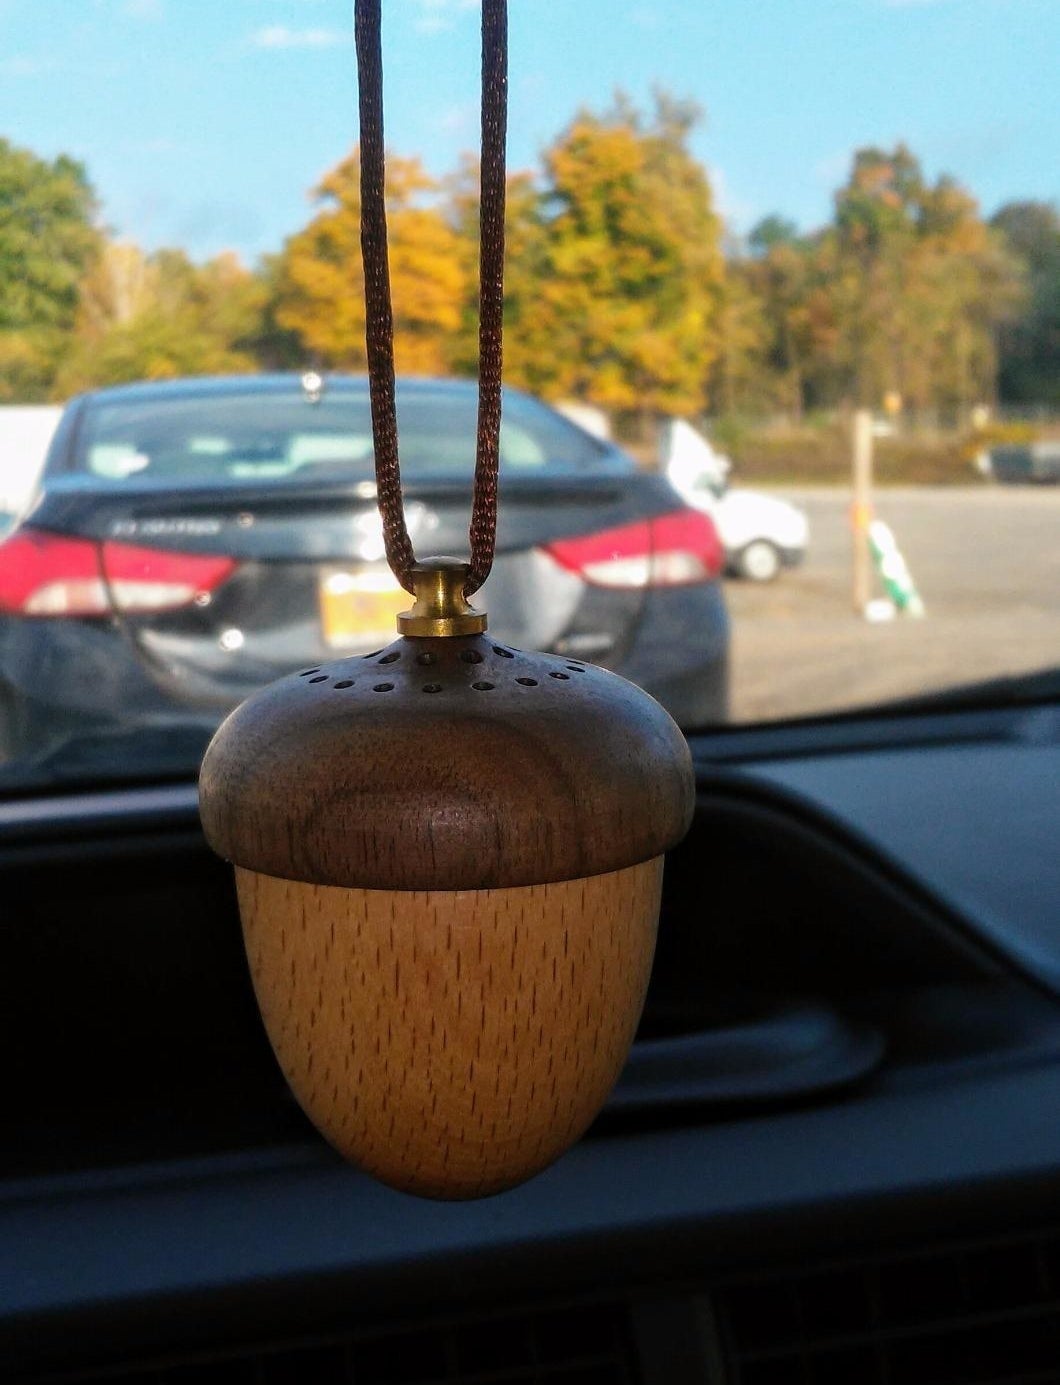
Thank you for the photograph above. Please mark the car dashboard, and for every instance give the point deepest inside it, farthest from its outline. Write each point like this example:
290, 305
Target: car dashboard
834, 1155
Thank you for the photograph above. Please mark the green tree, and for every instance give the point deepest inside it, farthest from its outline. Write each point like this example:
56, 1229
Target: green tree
1029, 345
918, 286
275, 346
771, 231
628, 266
523, 245
157, 317
320, 282
788, 275
48, 240
741, 379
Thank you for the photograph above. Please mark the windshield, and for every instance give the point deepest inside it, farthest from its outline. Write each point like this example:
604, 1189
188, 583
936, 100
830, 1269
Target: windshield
781, 431
290, 432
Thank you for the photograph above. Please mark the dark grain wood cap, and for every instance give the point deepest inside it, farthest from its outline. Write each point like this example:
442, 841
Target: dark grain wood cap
446, 764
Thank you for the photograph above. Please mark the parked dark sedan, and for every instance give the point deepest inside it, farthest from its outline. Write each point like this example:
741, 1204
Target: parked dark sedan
192, 540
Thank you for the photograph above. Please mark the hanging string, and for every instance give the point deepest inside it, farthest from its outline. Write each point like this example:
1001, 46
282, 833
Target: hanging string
379, 330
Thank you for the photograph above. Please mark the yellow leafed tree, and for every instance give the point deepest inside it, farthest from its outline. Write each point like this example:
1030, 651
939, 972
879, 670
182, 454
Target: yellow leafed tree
629, 270
320, 283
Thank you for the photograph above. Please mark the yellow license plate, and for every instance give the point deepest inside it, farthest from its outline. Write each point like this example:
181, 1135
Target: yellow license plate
359, 607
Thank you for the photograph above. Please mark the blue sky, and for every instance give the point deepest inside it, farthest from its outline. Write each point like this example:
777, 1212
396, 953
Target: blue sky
205, 123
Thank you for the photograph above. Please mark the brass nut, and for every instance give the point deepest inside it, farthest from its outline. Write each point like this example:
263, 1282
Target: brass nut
440, 607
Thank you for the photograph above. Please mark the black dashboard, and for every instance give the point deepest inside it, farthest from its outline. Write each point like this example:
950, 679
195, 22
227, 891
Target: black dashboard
834, 1155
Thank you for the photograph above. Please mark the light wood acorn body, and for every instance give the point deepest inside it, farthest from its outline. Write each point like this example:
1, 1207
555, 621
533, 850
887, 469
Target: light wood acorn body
452, 1043
450, 859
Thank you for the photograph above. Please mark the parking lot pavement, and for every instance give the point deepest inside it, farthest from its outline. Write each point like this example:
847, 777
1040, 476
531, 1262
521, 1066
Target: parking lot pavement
987, 565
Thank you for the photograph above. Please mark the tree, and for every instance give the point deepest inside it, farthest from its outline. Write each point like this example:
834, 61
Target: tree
48, 240
918, 285
156, 317
770, 232
628, 266
741, 379
787, 275
1029, 345
523, 241
320, 282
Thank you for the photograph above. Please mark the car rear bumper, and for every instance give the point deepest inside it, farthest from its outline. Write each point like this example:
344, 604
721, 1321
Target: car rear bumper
79, 695
75, 701
680, 653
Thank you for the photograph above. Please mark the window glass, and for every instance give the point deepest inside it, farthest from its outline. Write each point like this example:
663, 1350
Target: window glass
781, 431
253, 436
204, 437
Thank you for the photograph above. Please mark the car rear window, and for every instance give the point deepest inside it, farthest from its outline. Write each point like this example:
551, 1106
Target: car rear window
292, 435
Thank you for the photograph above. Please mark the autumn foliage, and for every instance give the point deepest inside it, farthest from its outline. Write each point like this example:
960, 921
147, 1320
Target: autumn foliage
320, 284
618, 289
627, 267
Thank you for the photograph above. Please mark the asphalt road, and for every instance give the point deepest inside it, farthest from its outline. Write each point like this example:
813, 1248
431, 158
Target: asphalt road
986, 562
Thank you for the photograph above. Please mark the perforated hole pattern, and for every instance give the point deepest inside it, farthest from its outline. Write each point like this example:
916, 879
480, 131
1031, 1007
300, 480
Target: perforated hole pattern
458, 660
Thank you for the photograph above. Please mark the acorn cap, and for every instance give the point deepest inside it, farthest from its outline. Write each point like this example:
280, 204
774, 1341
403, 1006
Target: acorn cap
446, 763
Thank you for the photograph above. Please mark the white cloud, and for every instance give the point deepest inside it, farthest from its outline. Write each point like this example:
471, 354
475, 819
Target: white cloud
22, 65
435, 16
143, 9
458, 119
160, 145
737, 213
644, 17
924, 4
280, 36
834, 168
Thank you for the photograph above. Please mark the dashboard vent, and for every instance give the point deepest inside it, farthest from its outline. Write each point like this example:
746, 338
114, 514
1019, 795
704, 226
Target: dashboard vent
575, 1345
969, 1313
981, 1314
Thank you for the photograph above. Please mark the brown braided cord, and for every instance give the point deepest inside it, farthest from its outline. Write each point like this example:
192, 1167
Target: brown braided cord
483, 530
379, 331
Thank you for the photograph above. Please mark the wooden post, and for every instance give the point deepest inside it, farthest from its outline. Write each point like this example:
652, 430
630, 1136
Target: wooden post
861, 509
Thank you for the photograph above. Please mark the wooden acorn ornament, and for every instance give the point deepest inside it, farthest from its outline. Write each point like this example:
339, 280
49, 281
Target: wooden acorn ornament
448, 853
449, 860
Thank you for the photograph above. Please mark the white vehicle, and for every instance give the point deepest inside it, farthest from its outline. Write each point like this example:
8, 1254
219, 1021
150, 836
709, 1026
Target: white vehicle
760, 533
25, 432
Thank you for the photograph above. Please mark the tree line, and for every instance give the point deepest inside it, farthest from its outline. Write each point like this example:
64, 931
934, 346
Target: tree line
623, 287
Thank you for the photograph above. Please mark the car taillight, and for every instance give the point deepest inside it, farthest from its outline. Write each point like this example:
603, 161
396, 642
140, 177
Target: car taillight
150, 579
671, 550
44, 574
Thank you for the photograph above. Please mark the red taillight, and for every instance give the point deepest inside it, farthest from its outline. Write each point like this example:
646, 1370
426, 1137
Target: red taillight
671, 550
44, 574
149, 579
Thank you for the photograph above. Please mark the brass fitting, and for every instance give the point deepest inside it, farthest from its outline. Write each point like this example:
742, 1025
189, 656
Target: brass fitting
440, 606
